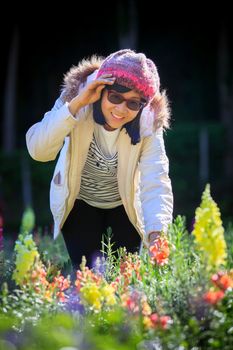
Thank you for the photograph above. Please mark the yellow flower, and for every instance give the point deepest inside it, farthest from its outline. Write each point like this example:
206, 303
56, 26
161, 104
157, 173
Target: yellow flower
147, 322
25, 258
109, 296
209, 232
91, 295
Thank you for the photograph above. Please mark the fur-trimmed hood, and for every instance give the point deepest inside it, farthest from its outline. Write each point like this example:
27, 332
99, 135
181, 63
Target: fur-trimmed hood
155, 115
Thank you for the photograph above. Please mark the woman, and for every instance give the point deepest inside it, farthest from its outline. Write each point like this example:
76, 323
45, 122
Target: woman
112, 170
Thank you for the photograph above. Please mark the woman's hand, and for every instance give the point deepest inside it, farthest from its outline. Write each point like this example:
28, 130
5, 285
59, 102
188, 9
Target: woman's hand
153, 236
91, 93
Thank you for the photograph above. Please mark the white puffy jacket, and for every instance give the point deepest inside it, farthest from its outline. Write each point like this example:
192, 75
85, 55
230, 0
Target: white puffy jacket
143, 180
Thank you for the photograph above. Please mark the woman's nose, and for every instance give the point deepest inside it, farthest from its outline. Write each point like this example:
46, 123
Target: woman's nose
122, 106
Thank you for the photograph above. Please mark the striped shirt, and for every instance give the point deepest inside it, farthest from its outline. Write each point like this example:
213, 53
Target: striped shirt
99, 186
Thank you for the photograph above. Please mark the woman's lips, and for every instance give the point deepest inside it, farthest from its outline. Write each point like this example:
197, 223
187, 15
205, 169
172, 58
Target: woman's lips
117, 117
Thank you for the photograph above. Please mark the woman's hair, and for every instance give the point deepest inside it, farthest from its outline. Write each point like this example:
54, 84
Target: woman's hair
132, 127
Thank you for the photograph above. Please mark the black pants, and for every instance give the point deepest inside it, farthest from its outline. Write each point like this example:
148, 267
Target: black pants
85, 226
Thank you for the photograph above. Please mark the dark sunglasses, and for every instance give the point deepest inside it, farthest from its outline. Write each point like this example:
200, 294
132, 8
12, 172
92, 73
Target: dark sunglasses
117, 99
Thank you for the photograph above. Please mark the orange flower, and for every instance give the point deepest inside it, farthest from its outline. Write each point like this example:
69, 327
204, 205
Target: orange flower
61, 283
128, 265
86, 275
213, 297
222, 280
160, 251
136, 302
130, 302
129, 268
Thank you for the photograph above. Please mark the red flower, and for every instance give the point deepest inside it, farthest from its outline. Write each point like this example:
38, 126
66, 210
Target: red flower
165, 321
160, 321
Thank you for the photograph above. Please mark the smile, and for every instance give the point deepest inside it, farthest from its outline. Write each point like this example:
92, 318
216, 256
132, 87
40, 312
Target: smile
117, 117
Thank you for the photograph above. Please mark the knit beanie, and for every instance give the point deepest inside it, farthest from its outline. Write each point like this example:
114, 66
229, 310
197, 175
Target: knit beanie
134, 71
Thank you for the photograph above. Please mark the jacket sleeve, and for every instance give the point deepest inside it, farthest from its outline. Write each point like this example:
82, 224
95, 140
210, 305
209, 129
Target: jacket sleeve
45, 138
155, 185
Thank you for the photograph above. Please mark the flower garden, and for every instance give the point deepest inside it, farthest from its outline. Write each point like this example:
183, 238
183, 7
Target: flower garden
179, 297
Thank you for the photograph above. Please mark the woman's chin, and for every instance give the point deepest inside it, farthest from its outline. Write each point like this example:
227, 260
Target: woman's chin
111, 127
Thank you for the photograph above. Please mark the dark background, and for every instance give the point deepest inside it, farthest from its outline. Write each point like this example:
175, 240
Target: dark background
184, 43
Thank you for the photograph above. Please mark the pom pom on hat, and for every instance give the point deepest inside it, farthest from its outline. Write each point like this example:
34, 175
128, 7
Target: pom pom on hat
133, 70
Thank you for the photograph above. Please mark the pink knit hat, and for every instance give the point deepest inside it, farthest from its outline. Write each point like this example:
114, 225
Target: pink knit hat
132, 70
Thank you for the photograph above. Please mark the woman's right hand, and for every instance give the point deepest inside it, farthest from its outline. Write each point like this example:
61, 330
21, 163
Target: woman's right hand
91, 93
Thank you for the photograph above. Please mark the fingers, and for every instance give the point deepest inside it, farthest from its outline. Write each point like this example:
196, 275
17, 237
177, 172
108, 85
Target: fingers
103, 76
105, 79
99, 88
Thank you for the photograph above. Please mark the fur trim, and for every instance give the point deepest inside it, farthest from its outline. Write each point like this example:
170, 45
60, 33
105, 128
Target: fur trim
154, 116
77, 75
160, 105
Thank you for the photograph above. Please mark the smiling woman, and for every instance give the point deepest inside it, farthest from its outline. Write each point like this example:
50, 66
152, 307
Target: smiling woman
113, 168
119, 109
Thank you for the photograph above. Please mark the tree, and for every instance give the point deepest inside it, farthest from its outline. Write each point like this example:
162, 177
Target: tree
225, 83
127, 24
9, 127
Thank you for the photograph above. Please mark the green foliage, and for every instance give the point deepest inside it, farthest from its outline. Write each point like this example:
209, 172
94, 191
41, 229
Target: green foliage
111, 257
28, 221
176, 288
24, 306
52, 251
229, 242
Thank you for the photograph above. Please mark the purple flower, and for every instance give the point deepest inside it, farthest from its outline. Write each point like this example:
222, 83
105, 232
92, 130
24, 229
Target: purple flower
73, 304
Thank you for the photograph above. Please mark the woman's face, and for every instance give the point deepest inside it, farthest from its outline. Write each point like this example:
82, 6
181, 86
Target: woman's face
117, 115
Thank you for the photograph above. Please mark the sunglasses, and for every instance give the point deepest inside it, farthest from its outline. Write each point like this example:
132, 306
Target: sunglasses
117, 99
